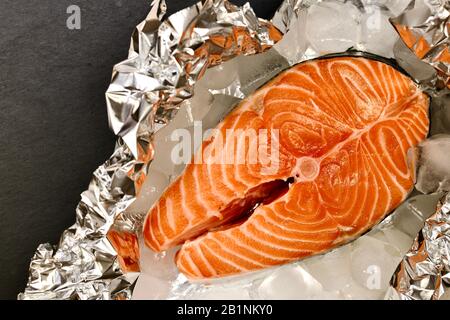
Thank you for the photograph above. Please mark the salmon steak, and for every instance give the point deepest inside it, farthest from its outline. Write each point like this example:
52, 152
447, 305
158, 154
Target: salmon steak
332, 138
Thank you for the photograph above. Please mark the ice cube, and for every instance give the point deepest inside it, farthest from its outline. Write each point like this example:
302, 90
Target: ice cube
378, 233
150, 287
221, 106
395, 7
221, 76
201, 102
164, 146
160, 265
229, 288
411, 215
182, 288
217, 292
174, 149
326, 295
379, 36
294, 45
254, 71
184, 116
372, 264
332, 270
399, 240
434, 165
237, 287
333, 26
354, 291
154, 185
289, 282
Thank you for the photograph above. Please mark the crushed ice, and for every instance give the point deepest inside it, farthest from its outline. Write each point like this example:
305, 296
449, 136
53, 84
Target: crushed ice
434, 165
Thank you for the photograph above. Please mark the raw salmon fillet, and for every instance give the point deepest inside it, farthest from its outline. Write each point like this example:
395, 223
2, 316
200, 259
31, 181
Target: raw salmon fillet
345, 126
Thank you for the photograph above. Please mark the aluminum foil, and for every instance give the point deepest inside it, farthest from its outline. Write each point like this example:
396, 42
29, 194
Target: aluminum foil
98, 257
424, 273
426, 33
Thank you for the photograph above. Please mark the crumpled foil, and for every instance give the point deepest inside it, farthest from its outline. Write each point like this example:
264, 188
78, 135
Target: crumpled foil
424, 273
427, 36
98, 257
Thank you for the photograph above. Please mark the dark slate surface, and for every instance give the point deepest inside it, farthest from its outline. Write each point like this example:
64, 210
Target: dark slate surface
53, 121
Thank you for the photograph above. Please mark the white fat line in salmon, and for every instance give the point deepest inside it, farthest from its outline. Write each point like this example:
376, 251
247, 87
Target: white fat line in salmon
263, 148
221, 148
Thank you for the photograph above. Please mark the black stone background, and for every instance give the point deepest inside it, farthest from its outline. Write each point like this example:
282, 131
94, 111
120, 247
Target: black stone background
53, 123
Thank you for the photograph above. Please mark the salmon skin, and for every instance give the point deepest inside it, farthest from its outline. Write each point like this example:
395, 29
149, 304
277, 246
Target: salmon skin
343, 127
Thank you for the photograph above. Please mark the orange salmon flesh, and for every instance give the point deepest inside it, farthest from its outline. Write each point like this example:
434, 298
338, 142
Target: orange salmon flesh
344, 126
